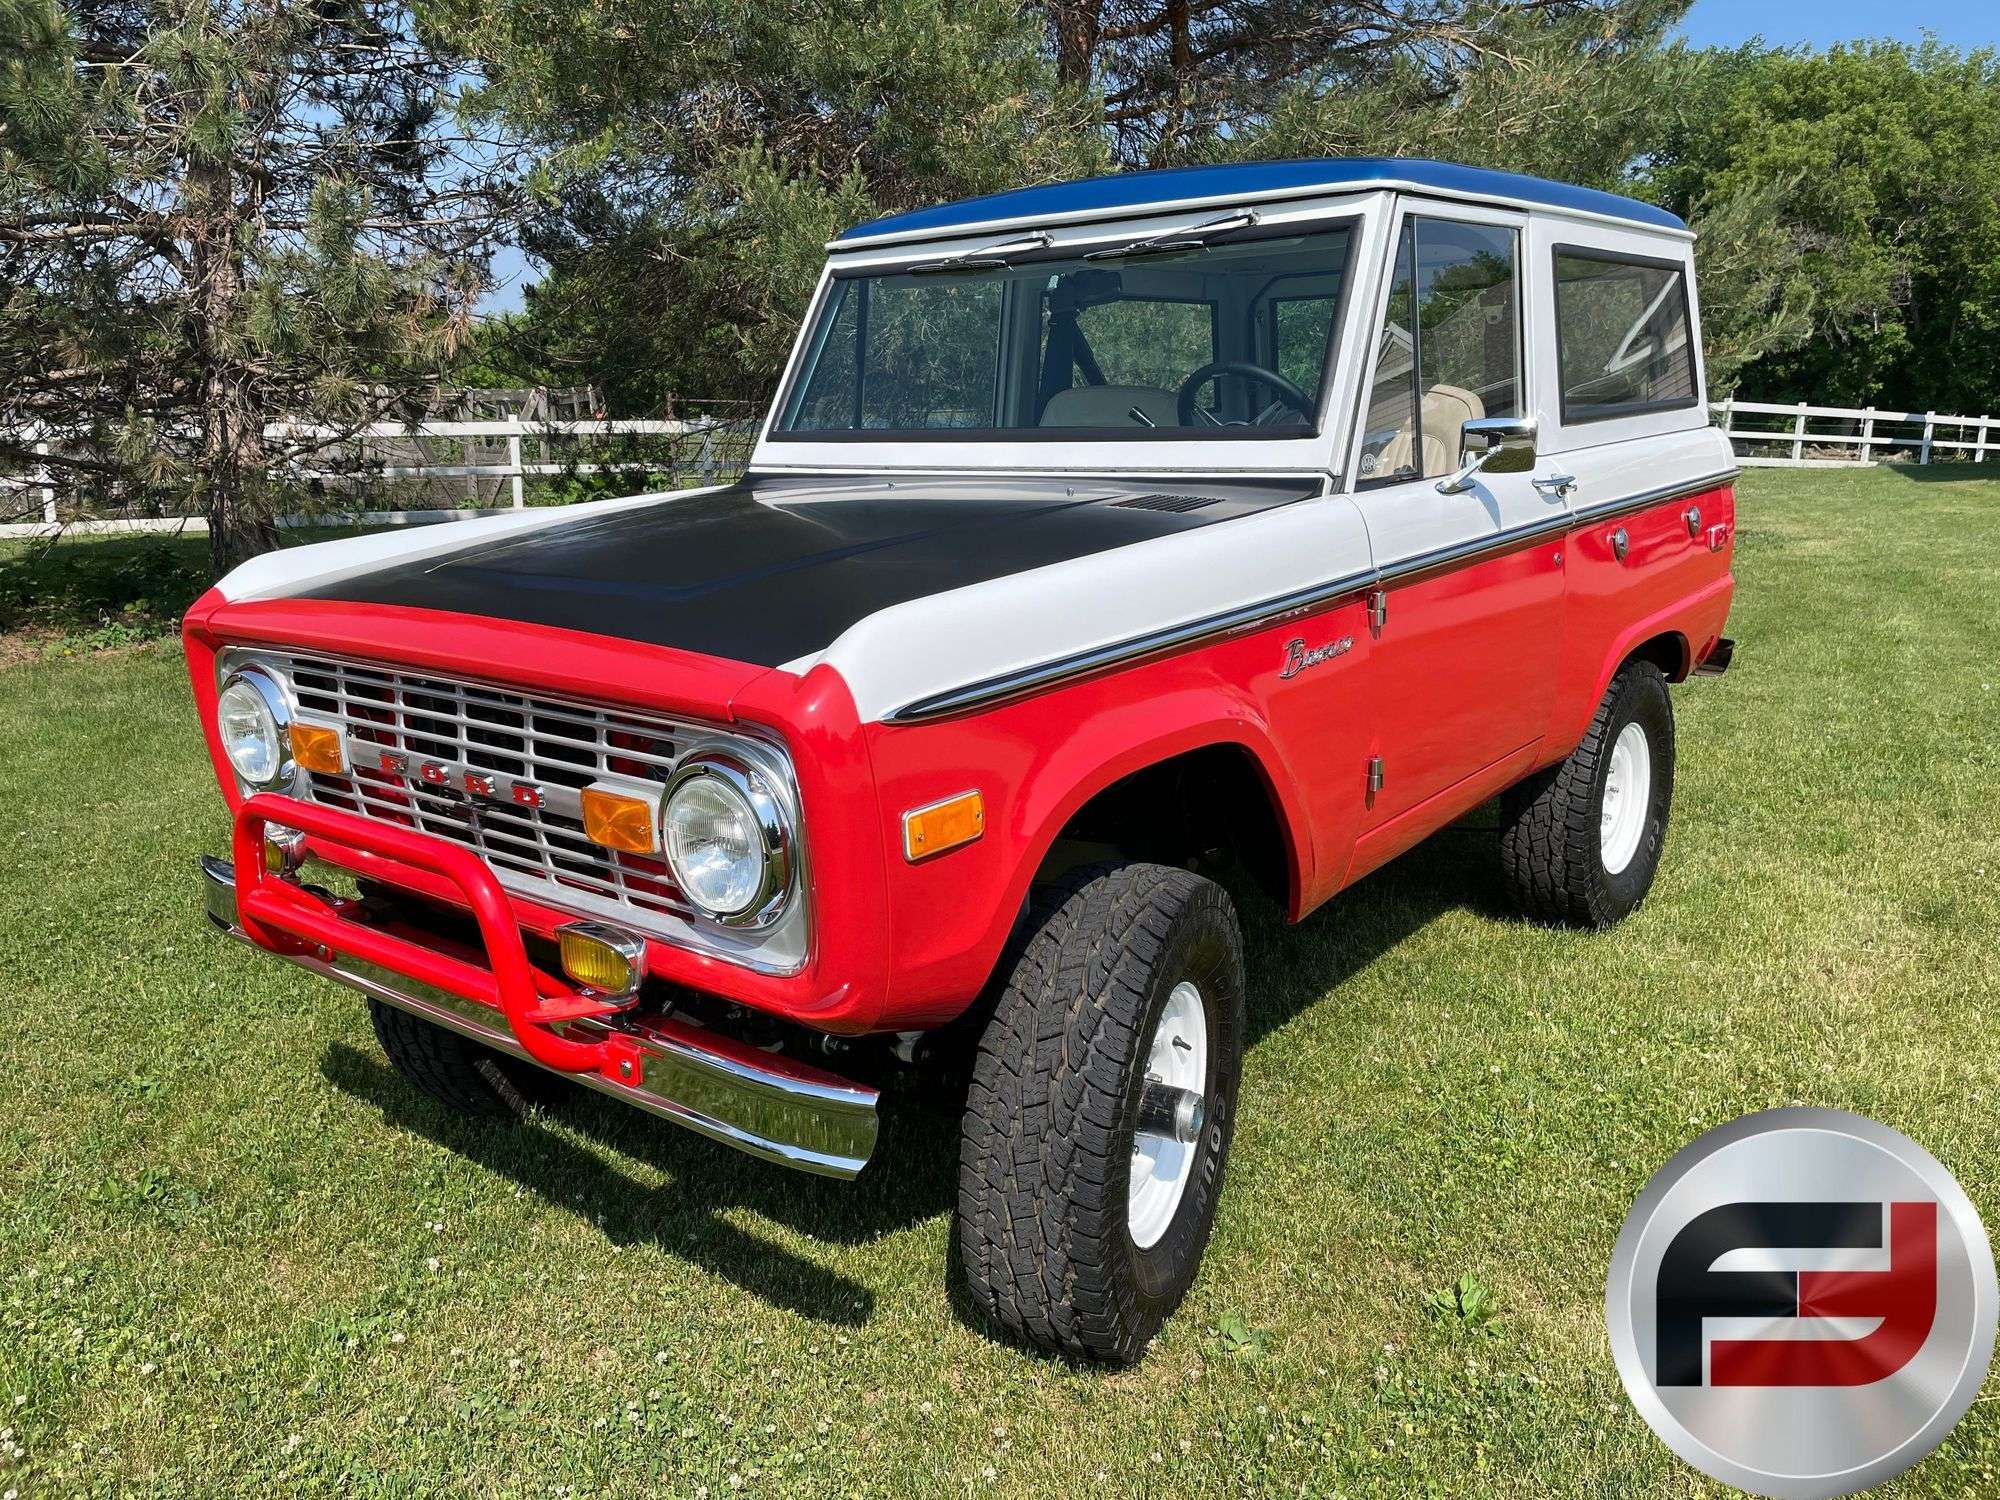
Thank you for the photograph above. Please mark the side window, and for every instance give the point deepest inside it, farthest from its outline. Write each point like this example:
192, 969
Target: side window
1621, 336
1451, 347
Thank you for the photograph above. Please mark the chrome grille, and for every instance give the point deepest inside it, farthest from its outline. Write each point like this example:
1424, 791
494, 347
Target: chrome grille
556, 745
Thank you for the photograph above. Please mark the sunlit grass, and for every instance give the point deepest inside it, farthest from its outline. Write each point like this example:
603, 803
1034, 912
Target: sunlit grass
238, 1255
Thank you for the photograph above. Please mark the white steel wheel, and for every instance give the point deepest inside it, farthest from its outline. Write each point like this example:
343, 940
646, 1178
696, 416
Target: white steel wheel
1628, 797
1162, 1161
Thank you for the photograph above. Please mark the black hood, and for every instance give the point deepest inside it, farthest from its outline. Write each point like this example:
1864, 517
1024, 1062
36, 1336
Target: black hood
775, 568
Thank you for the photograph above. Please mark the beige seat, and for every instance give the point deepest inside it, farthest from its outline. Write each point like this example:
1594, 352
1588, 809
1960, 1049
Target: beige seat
1111, 406
1447, 408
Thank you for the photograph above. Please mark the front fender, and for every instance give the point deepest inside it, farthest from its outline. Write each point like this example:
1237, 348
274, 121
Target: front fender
1036, 762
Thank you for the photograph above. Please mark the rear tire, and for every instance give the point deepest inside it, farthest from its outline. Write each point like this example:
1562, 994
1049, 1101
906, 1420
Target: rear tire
1078, 1231
456, 1071
1581, 842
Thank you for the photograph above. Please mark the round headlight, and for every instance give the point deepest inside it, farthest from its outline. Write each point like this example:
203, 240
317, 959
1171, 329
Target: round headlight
727, 840
252, 717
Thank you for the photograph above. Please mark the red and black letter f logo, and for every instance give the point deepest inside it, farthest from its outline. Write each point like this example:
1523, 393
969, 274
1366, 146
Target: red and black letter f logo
1904, 1297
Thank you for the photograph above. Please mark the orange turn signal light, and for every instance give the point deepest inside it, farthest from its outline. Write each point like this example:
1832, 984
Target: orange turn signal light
316, 747
943, 825
620, 820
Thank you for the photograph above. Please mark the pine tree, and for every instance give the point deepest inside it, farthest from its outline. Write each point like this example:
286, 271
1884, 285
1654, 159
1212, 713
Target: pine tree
217, 215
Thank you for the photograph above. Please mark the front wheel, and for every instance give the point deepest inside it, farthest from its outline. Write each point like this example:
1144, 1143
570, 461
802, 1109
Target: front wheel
465, 1077
1581, 842
1099, 1116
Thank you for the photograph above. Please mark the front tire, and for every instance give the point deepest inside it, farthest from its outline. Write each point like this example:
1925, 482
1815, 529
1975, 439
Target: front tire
1083, 1205
463, 1076
1581, 842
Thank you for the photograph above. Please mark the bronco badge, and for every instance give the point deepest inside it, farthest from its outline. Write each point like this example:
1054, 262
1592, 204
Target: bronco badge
1299, 656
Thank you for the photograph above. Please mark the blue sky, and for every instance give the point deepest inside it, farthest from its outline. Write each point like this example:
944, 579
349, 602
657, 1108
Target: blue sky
1724, 23
1711, 23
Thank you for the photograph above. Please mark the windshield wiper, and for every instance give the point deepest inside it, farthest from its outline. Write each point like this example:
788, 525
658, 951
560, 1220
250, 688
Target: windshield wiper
1168, 241
986, 259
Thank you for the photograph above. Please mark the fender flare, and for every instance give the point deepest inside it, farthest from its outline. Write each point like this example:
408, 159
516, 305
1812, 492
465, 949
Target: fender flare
1676, 620
1224, 719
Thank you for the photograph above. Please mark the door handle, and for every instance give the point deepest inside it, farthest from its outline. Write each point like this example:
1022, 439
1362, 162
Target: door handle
1556, 486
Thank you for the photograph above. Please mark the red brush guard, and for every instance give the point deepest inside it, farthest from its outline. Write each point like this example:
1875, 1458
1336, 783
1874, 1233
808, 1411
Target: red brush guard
288, 919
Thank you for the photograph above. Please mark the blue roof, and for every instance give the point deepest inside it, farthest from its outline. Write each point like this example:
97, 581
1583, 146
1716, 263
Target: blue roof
1168, 186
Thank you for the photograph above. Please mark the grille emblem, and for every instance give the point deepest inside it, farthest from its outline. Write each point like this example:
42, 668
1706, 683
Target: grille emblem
496, 770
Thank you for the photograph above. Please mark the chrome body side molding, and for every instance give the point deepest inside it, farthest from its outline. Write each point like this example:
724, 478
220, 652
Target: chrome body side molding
1123, 653
1033, 679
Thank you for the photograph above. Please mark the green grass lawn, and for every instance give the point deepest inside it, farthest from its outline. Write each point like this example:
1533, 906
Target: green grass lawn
239, 1255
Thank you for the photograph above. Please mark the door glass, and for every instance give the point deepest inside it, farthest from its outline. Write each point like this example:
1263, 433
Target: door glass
1450, 351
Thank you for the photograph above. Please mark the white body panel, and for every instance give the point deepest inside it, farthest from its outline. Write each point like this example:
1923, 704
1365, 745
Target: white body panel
904, 654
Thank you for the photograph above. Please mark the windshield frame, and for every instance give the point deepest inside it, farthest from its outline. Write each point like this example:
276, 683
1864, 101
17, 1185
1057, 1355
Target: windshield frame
1245, 449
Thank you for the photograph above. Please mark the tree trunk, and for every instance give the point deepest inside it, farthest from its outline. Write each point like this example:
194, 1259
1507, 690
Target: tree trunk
234, 497
1074, 25
1181, 60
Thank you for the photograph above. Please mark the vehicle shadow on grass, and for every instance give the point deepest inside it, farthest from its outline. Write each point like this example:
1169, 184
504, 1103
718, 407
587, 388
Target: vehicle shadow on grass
1292, 968
913, 1177
909, 1182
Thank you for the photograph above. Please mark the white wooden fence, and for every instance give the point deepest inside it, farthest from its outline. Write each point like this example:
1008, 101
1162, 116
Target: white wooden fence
1772, 435
1764, 434
706, 450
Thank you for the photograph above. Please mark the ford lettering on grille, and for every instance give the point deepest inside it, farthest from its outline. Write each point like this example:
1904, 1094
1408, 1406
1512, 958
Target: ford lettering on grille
498, 771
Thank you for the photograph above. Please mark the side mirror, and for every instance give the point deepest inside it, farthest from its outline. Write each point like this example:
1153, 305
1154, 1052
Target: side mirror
1492, 445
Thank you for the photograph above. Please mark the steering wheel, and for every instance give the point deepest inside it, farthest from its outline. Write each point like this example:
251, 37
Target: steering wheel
1288, 393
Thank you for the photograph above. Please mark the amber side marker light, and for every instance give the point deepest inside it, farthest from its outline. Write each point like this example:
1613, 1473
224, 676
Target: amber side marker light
602, 959
315, 747
943, 825
620, 820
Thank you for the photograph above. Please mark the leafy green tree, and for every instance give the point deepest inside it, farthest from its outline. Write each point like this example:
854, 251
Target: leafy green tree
219, 213
1877, 167
1194, 79
1576, 95
698, 154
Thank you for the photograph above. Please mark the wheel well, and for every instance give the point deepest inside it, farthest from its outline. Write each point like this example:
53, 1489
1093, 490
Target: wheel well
1668, 651
1202, 807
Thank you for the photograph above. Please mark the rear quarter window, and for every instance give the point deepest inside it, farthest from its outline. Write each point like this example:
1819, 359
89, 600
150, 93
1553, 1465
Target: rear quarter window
1622, 336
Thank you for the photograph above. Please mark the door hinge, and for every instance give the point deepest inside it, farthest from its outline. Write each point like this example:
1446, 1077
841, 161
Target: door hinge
1374, 774
1378, 609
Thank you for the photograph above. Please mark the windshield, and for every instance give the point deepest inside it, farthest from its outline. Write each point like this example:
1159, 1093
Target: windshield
1171, 337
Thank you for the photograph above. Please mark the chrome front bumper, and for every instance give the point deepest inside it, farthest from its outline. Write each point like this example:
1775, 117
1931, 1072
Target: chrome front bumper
782, 1112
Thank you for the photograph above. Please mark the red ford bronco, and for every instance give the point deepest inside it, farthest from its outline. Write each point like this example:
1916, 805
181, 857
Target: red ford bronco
1279, 513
